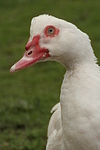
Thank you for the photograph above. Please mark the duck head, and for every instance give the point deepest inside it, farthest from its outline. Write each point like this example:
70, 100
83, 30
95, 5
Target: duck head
53, 39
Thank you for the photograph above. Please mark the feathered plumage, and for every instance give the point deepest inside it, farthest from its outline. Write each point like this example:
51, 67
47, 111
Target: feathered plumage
75, 123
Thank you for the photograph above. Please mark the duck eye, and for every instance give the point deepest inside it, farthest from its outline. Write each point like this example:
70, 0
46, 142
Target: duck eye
51, 31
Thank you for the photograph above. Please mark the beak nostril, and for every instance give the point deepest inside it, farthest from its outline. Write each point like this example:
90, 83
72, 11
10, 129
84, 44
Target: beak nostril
29, 53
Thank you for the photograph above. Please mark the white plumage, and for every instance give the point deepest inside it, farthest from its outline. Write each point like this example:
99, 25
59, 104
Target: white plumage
55, 121
75, 122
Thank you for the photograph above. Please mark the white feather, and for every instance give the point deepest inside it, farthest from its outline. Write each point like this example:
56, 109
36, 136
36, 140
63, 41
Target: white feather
76, 124
55, 120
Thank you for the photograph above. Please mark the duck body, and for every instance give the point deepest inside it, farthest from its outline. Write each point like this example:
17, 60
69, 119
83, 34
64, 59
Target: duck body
75, 124
80, 104
80, 121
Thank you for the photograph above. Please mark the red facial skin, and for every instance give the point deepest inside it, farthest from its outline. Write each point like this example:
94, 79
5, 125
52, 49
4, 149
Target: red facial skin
34, 52
55, 33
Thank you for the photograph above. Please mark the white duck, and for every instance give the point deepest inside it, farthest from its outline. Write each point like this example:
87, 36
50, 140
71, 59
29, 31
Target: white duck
76, 125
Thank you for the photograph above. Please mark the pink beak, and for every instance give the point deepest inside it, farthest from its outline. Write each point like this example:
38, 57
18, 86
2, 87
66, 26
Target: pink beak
33, 54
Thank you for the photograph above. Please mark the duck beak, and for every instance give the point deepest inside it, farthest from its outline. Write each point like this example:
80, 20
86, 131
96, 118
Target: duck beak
33, 54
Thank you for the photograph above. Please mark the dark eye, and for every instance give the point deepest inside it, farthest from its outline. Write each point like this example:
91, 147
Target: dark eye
51, 31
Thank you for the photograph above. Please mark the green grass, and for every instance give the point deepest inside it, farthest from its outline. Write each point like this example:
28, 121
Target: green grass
26, 97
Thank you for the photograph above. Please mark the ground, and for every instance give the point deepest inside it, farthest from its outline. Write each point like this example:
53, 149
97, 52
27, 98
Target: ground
27, 96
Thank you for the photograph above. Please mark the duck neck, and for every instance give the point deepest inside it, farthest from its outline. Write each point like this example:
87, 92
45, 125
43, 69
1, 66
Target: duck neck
77, 98
78, 84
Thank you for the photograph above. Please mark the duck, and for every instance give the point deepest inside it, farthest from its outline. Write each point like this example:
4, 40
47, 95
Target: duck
75, 120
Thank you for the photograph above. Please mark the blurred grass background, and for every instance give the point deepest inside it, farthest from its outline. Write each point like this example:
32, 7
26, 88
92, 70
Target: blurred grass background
27, 96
